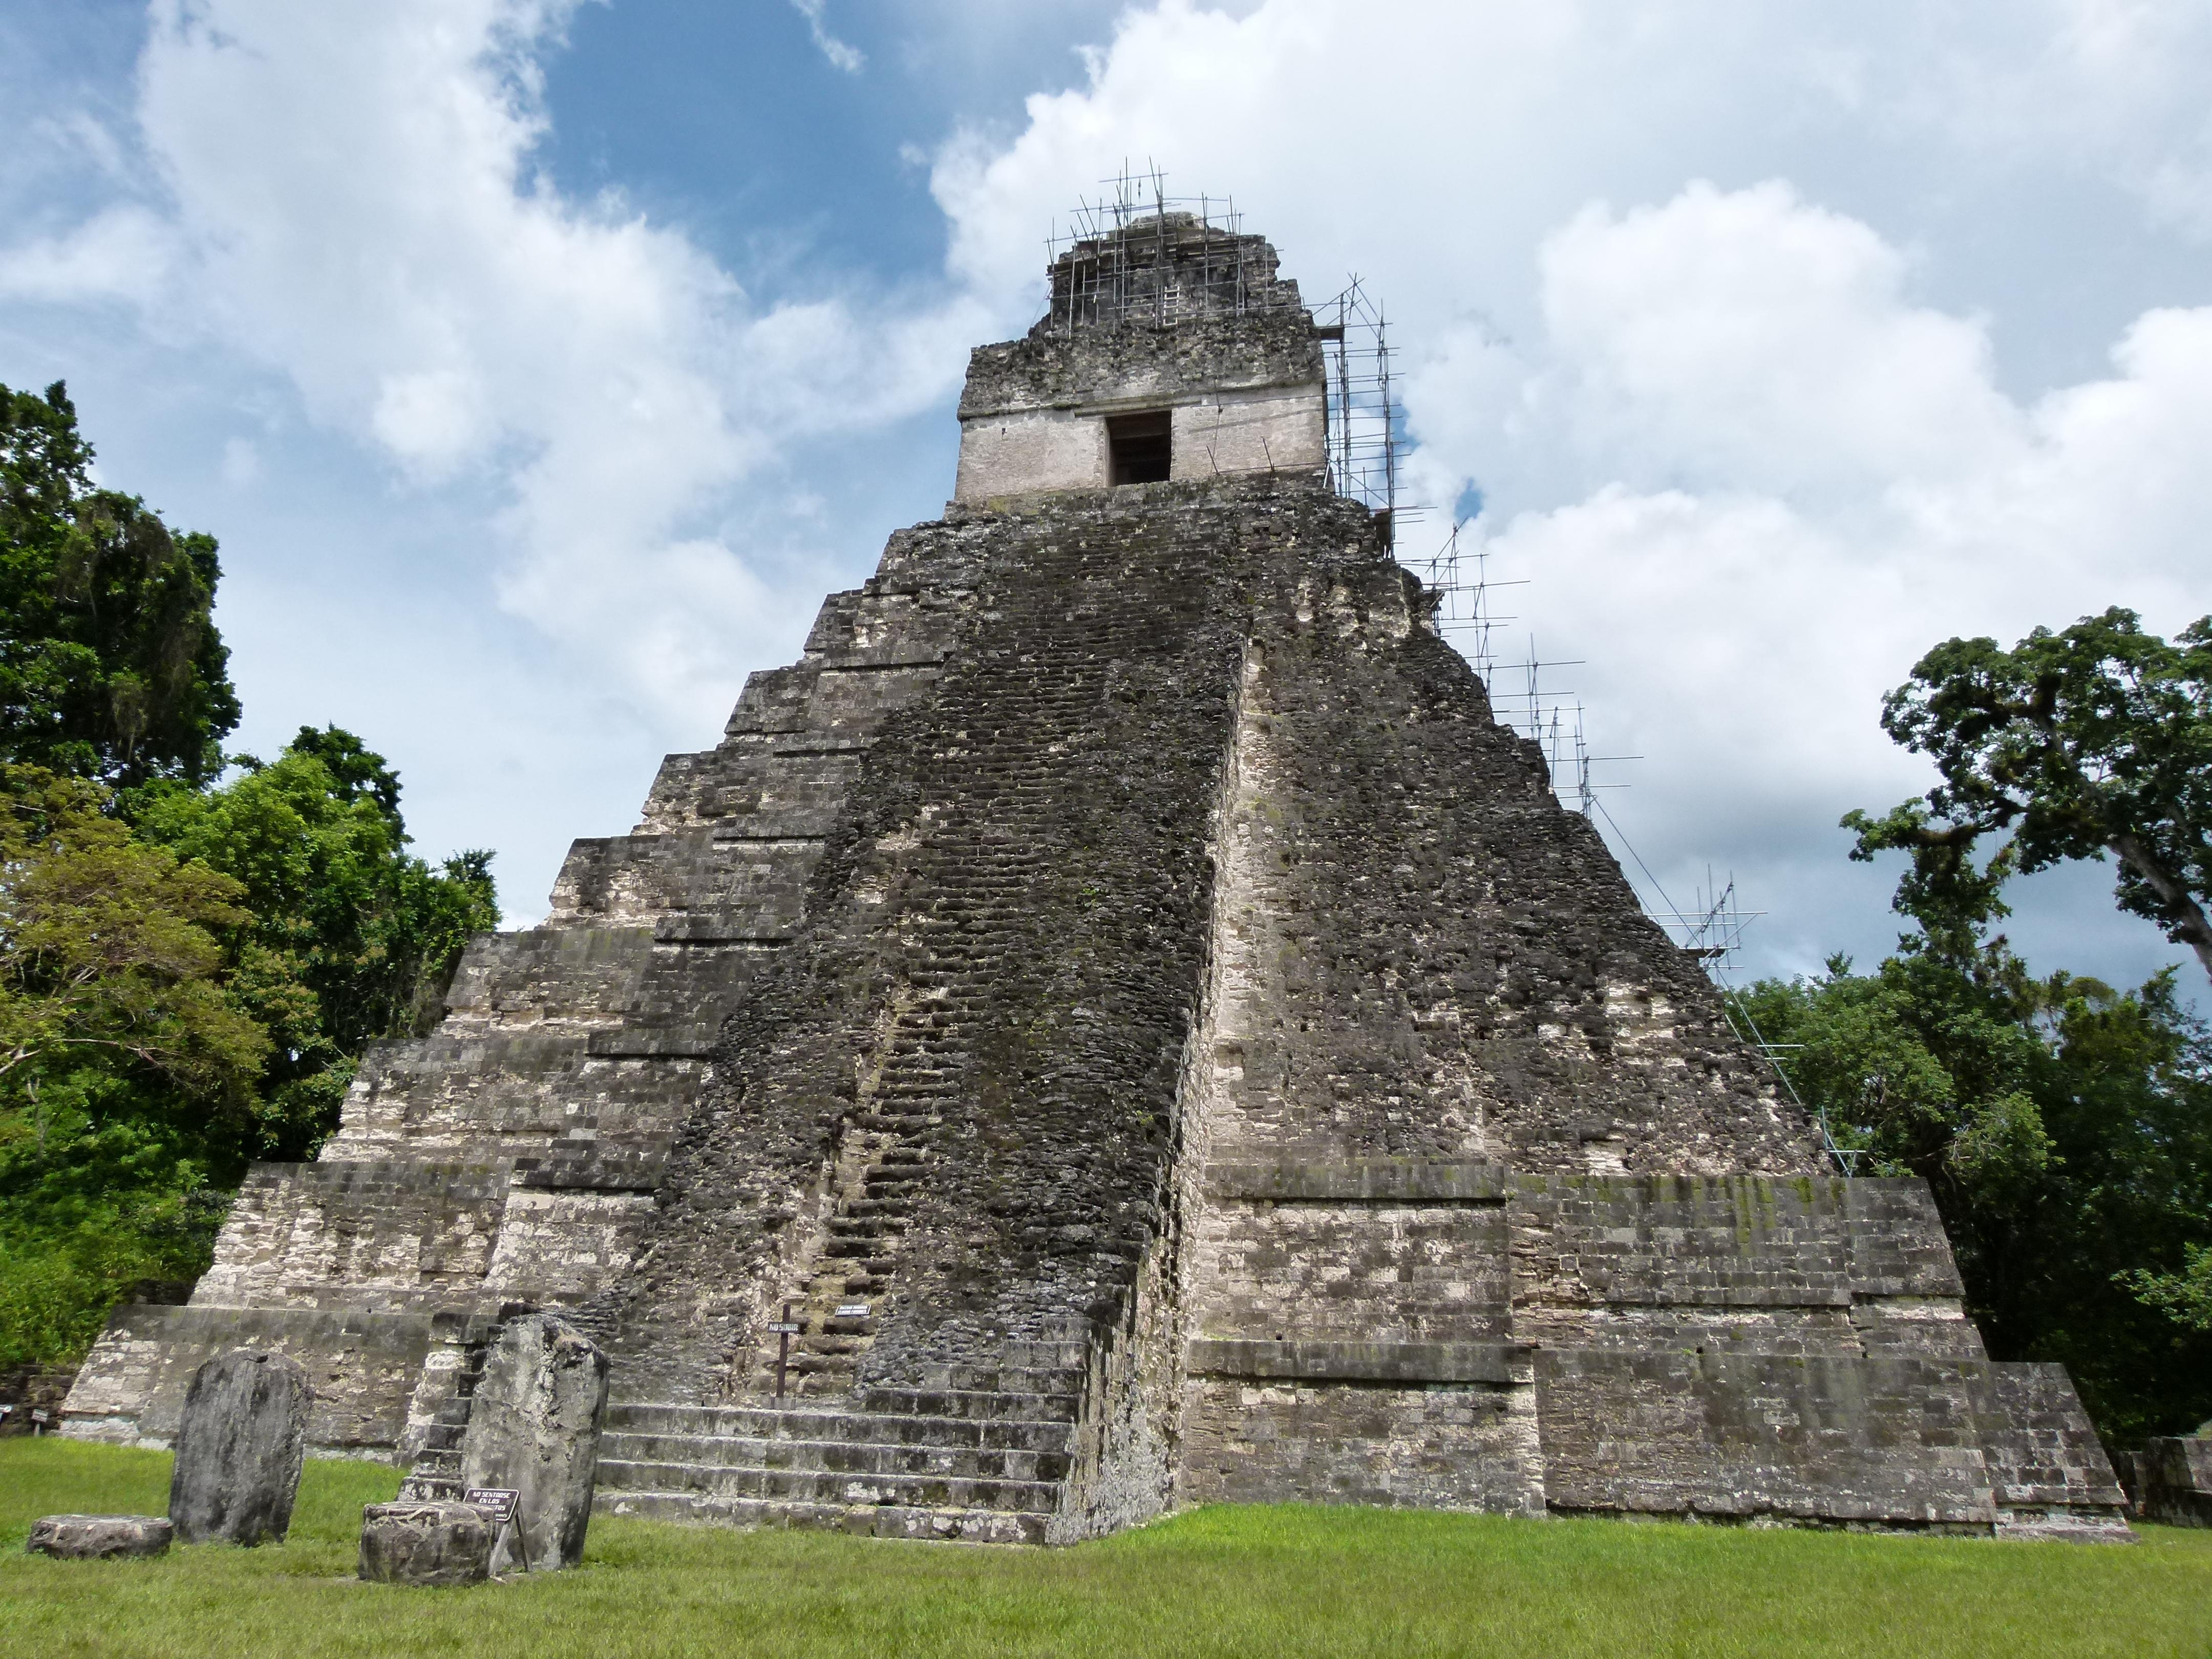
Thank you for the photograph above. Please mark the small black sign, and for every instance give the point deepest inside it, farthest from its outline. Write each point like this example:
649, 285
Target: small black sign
500, 1500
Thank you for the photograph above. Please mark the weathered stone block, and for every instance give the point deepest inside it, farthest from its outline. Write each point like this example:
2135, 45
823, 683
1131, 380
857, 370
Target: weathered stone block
2176, 1475
362, 1364
534, 1429
239, 1449
99, 1537
1470, 1446
2041, 1452
1880, 1441
430, 1545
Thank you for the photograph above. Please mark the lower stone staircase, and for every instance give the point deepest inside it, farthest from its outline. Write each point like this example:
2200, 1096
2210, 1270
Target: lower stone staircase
976, 1454
853, 1264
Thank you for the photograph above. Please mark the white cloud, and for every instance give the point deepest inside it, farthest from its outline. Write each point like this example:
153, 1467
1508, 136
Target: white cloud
351, 199
121, 252
841, 55
241, 463
1749, 339
2114, 87
1851, 488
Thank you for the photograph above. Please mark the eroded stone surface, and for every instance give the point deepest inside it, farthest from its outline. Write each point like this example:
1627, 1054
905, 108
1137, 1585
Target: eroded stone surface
430, 1545
2175, 1477
239, 1449
99, 1537
534, 1428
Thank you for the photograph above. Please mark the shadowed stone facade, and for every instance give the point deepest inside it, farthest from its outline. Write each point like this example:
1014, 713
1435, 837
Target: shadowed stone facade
1163, 1042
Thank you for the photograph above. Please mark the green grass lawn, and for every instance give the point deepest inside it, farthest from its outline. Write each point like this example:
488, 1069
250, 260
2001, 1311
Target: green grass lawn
1285, 1580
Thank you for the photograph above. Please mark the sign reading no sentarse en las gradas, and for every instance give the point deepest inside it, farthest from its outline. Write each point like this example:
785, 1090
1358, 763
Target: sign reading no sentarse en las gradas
499, 1501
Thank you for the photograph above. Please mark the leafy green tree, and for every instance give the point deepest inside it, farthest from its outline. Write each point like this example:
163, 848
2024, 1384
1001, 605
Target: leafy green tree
2066, 1131
106, 951
2094, 740
124, 1059
351, 938
190, 970
2184, 1296
2065, 1126
110, 663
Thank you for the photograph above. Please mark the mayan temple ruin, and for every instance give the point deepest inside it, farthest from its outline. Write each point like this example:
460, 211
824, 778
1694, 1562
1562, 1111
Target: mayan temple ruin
1125, 1000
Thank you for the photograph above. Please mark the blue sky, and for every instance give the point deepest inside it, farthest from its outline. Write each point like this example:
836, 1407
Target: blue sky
540, 364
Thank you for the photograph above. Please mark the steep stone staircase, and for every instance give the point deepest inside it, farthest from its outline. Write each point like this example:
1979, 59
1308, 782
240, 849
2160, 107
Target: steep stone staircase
990, 1451
976, 1455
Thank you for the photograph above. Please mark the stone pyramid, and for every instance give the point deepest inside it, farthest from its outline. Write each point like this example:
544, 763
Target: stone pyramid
1125, 1008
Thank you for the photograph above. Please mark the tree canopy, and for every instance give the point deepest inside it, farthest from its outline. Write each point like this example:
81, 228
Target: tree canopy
2065, 1126
108, 953
2066, 1130
128, 1069
195, 949
110, 663
348, 937
2094, 740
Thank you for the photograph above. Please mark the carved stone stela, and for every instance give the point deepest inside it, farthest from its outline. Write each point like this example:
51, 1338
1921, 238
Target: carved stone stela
1161, 1039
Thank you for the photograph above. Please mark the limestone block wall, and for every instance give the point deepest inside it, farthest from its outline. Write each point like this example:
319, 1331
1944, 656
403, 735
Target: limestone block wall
1169, 265
1246, 396
2047, 1470
1496, 1212
2172, 1479
510, 1093
1365, 1271
1453, 1444
1750, 1264
981, 1021
393, 1235
1137, 364
363, 1366
564, 1247
1285, 429
512, 1156
1011, 451
1212, 433
1892, 1441
1436, 960
1749, 1389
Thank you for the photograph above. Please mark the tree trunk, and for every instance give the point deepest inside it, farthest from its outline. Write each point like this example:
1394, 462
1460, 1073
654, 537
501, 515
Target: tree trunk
2194, 928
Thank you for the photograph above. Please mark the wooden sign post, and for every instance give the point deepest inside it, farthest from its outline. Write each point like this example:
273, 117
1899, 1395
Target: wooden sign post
785, 1329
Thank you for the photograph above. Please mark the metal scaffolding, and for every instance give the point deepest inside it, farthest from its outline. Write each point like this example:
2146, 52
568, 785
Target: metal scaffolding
1366, 423
1138, 254
1465, 596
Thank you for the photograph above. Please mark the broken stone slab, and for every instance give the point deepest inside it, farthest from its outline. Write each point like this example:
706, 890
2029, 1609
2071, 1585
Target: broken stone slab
2175, 1472
429, 1546
240, 1445
534, 1429
99, 1537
